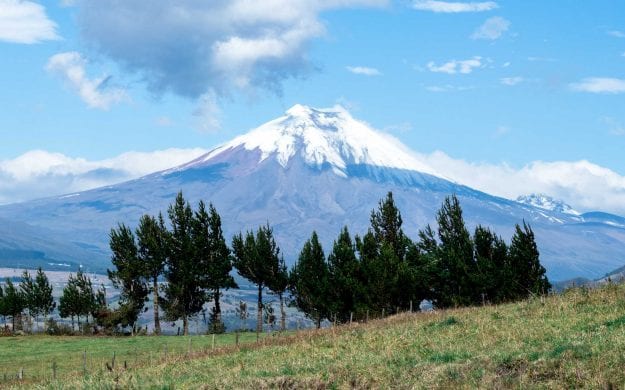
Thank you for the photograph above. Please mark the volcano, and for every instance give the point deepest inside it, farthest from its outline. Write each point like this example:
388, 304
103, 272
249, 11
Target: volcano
310, 169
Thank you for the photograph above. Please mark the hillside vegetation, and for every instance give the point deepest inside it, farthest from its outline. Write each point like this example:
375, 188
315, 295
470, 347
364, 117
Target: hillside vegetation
571, 340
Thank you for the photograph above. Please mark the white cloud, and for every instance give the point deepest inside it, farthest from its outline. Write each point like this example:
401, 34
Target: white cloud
453, 7
614, 126
511, 81
192, 47
447, 88
97, 92
25, 22
586, 186
40, 173
363, 70
599, 85
454, 66
492, 29
207, 113
617, 33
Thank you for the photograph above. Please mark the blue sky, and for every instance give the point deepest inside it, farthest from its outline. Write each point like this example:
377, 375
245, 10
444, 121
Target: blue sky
486, 91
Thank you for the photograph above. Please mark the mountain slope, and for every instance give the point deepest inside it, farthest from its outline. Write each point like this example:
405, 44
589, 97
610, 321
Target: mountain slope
318, 170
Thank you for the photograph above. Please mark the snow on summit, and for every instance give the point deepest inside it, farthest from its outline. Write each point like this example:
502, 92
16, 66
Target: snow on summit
325, 136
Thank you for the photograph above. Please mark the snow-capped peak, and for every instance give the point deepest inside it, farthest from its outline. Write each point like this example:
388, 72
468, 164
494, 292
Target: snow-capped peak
547, 202
325, 136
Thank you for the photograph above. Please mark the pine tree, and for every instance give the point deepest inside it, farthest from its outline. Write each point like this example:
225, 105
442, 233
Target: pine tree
184, 294
69, 303
491, 254
344, 276
255, 258
386, 224
278, 284
43, 301
372, 272
309, 281
387, 271
213, 257
3, 306
14, 303
27, 289
86, 296
425, 259
530, 276
128, 275
152, 241
456, 262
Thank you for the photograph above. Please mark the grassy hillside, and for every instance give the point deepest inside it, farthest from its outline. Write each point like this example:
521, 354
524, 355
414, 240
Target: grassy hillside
572, 340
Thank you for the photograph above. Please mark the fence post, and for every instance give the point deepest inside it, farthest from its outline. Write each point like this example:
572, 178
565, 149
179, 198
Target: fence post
113, 361
351, 317
21, 374
411, 305
213, 342
382, 313
84, 363
367, 317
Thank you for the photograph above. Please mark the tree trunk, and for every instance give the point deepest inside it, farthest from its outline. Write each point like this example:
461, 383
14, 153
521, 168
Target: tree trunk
73, 323
259, 315
217, 307
282, 314
157, 322
318, 322
185, 325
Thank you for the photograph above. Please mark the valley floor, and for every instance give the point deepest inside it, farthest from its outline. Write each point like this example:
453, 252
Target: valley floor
572, 340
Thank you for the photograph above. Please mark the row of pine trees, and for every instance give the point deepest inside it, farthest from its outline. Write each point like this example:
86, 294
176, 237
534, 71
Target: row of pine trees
383, 271
31, 295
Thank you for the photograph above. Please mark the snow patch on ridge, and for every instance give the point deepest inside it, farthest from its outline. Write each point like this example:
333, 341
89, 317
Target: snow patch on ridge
547, 202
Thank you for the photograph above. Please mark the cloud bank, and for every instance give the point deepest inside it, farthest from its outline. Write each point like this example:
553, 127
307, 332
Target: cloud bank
39, 173
584, 185
192, 47
25, 22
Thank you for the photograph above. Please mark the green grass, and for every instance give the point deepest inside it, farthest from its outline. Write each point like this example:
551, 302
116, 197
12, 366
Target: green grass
573, 340
37, 355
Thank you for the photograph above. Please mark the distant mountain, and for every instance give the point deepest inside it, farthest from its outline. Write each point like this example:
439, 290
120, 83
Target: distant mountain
546, 202
314, 169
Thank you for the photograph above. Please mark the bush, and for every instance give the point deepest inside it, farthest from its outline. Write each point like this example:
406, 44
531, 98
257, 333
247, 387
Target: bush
53, 328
